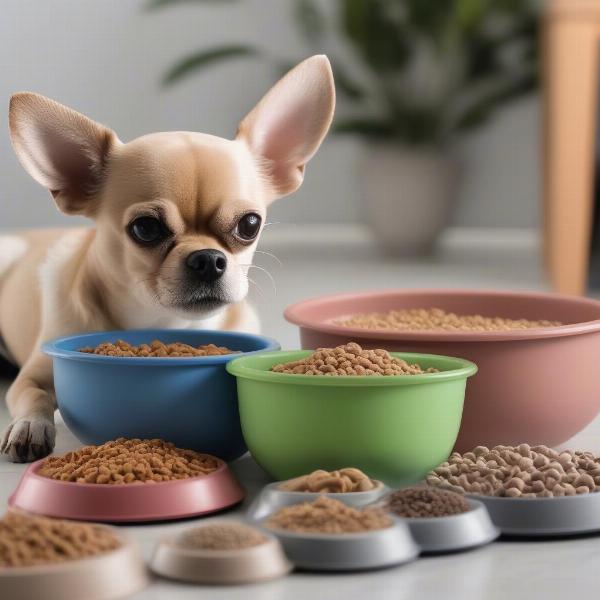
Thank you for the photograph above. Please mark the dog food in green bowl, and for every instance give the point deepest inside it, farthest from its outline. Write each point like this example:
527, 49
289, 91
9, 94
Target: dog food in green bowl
394, 427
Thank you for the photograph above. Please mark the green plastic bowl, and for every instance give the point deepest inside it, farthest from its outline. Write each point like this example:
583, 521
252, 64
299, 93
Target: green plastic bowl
395, 428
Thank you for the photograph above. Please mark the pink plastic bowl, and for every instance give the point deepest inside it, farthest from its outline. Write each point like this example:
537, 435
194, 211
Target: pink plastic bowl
128, 502
538, 385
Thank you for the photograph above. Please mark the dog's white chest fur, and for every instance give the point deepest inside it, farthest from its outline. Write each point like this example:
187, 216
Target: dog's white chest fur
12, 247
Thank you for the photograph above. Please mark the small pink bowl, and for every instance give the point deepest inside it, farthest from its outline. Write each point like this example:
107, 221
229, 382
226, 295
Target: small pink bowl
128, 502
534, 385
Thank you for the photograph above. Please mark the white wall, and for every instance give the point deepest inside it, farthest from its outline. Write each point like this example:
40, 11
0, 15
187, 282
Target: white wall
105, 58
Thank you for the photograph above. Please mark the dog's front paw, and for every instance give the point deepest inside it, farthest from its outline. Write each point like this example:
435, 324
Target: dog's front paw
28, 439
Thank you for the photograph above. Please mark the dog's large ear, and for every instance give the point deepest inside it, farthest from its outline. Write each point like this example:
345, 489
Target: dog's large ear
61, 149
287, 126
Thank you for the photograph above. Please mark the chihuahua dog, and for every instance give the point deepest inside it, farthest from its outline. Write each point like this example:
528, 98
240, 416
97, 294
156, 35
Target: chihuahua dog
177, 218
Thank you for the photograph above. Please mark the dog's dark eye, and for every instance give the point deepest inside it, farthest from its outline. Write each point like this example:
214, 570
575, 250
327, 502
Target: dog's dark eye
248, 226
147, 230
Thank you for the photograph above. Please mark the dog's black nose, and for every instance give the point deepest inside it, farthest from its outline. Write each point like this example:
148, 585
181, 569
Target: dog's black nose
207, 265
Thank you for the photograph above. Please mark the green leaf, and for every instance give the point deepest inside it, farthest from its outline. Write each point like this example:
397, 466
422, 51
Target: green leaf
430, 17
470, 12
199, 60
154, 4
417, 124
354, 18
473, 118
365, 126
381, 40
310, 20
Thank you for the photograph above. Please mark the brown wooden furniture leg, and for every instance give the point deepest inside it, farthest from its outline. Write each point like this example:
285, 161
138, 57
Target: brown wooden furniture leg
572, 50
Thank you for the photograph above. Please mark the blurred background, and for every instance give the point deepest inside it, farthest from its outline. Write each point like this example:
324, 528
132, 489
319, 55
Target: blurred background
408, 69
433, 171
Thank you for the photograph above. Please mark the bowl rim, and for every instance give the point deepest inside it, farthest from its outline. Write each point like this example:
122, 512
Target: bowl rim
295, 314
239, 369
52, 348
397, 524
170, 540
273, 487
522, 501
476, 506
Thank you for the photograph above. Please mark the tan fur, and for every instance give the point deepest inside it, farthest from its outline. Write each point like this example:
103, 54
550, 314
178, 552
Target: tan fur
67, 281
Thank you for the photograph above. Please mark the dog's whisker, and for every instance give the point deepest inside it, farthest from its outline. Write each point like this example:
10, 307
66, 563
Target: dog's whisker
271, 278
262, 293
271, 255
271, 223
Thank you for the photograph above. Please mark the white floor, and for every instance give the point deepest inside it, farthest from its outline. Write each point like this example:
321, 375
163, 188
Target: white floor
505, 569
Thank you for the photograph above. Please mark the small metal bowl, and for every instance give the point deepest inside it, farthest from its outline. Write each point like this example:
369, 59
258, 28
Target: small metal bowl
271, 499
455, 532
348, 551
114, 574
529, 517
226, 567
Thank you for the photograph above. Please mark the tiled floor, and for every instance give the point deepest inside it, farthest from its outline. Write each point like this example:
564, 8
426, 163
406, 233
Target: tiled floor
506, 569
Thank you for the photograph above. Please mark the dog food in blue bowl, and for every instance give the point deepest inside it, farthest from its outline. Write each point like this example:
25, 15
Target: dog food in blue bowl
190, 401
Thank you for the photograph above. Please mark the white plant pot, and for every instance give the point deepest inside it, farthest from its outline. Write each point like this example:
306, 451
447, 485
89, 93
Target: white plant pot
408, 195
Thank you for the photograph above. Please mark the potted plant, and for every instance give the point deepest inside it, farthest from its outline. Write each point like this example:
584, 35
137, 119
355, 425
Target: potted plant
416, 75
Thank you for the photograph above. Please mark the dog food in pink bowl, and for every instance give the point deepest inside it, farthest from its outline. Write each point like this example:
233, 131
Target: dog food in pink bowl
127, 481
537, 353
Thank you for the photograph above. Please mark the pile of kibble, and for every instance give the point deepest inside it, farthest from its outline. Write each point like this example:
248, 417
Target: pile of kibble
221, 536
340, 481
156, 349
325, 515
350, 359
519, 472
436, 319
423, 502
27, 541
128, 461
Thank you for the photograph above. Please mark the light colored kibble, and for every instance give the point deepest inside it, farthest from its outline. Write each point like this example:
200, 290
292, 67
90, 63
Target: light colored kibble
350, 359
519, 472
436, 319
221, 536
325, 515
27, 540
341, 481
127, 461
156, 349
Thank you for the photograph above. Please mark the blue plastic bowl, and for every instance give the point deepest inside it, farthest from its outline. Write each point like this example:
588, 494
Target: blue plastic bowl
191, 402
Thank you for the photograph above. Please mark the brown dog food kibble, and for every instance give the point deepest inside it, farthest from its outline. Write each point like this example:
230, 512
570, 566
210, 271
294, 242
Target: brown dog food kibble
221, 536
156, 349
340, 481
325, 515
423, 502
350, 359
128, 461
436, 319
522, 471
27, 541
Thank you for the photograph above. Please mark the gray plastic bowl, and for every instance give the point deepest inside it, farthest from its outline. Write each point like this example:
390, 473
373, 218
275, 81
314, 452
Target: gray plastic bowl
529, 517
348, 551
456, 532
